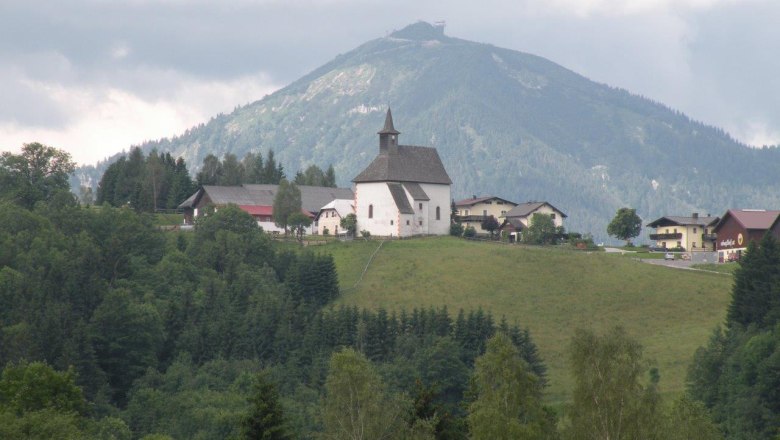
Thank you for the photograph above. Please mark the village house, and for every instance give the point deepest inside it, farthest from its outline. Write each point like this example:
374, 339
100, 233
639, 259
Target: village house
471, 212
329, 218
694, 233
258, 201
738, 227
519, 217
404, 191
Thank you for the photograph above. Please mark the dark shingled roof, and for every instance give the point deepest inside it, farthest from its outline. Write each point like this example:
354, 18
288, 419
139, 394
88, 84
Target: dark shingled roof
388, 128
673, 220
312, 197
416, 191
525, 209
401, 202
406, 164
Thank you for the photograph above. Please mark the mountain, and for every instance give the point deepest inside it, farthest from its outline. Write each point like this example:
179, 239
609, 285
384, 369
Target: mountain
505, 123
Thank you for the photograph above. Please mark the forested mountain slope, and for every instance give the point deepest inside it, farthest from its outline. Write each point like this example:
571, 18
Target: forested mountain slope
505, 123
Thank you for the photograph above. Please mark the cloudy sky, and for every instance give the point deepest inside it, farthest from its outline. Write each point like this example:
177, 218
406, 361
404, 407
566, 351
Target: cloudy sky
94, 77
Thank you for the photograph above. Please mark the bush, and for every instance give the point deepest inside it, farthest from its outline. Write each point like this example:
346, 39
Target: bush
456, 229
325, 231
469, 232
365, 234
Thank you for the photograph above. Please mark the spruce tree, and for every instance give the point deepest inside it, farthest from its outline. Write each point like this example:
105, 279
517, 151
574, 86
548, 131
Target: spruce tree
266, 418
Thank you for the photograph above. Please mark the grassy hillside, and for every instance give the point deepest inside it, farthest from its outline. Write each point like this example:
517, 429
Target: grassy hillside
550, 291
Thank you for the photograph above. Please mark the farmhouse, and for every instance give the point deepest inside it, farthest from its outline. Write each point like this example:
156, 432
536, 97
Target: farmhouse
738, 227
694, 233
471, 212
329, 218
404, 191
258, 201
519, 217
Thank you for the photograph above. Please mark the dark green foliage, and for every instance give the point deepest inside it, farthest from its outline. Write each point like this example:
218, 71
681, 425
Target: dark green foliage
145, 184
736, 374
36, 174
469, 232
625, 225
36, 386
314, 176
266, 418
756, 294
490, 224
541, 230
165, 329
456, 229
286, 202
349, 224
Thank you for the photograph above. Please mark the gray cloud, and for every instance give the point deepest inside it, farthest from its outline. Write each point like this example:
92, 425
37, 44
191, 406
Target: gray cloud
716, 63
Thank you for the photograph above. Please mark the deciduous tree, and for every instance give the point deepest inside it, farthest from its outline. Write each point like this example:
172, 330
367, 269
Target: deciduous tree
626, 225
286, 202
36, 174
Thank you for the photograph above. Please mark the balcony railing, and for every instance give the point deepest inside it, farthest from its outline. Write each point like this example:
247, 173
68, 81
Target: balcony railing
470, 218
709, 237
667, 236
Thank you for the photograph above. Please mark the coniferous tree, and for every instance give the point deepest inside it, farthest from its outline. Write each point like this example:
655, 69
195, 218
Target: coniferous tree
266, 418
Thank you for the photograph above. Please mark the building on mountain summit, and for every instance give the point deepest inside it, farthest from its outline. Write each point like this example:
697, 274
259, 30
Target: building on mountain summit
404, 191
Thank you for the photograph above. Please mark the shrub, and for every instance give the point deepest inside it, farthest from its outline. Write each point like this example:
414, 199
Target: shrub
325, 231
365, 234
456, 229
469, 232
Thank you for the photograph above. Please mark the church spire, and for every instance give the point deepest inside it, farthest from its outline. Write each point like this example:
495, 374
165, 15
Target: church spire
388, 136
388, 128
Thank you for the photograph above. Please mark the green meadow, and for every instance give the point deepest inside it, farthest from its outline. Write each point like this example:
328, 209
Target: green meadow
550, 291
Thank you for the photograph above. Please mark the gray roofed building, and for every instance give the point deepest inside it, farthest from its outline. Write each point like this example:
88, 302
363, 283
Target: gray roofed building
528, 208
416, 191
406, 163
675, 220
399, 196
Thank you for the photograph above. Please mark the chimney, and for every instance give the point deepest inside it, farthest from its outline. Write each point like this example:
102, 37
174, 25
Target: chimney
695, 215
473, 197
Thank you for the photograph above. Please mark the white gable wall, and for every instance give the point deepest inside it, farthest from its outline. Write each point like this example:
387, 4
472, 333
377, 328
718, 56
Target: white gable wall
387, 221
385, 211
440, 197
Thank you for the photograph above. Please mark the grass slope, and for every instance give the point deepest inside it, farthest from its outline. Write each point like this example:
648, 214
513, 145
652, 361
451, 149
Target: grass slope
550, 291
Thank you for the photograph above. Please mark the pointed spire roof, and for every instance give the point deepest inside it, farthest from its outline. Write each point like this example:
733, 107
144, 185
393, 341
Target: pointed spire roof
388, 128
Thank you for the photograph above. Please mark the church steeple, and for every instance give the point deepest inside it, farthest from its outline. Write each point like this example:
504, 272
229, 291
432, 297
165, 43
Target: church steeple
388, 136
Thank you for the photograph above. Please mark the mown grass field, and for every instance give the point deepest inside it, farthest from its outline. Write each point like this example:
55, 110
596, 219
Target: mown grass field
552, 292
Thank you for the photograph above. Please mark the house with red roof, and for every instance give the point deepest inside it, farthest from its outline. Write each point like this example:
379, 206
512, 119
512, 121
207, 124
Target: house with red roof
258, 201
738, 227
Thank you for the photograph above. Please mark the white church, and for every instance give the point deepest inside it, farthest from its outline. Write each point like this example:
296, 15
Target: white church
405, 191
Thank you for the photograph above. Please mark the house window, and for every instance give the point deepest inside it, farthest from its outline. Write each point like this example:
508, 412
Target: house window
467, 212
503, 212
391, 222
693, 245
420, 205
370, 211
407, 223
484, 212
438, 213
694, 231
552, 216
675, 230
420, 222
679, 244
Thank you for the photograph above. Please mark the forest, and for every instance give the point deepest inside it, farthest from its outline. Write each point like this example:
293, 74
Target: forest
113, 329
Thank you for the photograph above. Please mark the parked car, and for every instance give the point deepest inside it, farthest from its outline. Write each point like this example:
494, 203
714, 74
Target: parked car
668, 256
657, 249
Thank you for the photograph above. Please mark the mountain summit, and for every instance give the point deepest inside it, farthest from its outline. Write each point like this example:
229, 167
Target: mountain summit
505, 123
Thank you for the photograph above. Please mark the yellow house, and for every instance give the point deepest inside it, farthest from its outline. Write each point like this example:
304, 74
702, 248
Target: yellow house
692, 233
330, 215
471, 212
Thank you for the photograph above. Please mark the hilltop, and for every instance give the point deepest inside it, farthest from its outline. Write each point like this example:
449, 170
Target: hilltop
550, 291
506, 123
